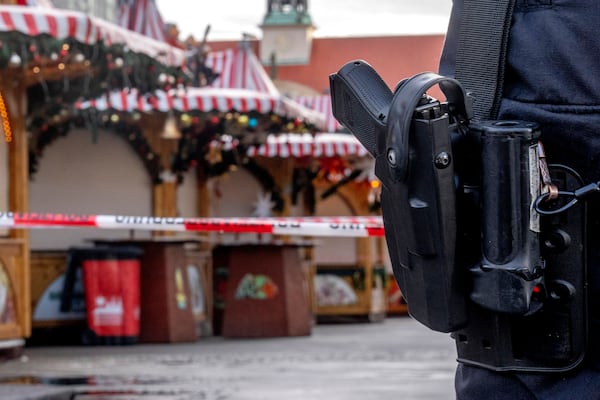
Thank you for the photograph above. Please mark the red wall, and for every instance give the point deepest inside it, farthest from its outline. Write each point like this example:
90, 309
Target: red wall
393, 57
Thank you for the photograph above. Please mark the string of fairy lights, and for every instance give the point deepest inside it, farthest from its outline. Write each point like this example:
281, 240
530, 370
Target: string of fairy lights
5, 120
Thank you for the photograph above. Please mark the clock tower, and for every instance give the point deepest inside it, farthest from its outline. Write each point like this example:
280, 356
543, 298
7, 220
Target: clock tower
287, 33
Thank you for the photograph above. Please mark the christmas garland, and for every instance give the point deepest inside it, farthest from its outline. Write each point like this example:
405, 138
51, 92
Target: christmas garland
43, 134
109, 66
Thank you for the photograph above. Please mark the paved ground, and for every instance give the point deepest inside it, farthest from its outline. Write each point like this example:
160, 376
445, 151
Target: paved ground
391, 360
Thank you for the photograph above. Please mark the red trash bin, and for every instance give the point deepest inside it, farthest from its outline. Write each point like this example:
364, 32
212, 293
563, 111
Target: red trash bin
111, 278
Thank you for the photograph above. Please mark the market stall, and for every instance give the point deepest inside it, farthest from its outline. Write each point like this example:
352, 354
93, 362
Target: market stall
49, 58
333, 176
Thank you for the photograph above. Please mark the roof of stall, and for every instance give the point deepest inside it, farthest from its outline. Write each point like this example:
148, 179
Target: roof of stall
306, 145
242, 85
63, 24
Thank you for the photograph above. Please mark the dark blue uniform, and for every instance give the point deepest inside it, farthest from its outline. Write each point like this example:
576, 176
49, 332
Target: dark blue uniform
552, 77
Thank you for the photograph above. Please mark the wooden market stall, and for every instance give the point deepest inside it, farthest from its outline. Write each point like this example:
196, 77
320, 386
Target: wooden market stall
332, 175
50, 58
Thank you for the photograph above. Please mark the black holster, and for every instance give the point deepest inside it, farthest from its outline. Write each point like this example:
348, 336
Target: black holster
471, 254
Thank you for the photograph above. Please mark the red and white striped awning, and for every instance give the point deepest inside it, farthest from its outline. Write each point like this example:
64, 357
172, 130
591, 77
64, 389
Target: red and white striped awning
239, 69
322, 104
142, 16
204, 100
306, 145
63, 24
243, 85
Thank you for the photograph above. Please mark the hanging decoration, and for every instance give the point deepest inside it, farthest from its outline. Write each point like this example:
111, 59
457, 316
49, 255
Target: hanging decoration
334, 169
216, 141
88, 71
44, 131
302, 183
263, 206
124, 125
341, 182
113, 66
340, 171
5, 121
267, 182
219, 141
138, 142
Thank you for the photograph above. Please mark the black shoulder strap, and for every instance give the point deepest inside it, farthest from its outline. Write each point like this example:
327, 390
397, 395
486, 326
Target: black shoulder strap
481, 52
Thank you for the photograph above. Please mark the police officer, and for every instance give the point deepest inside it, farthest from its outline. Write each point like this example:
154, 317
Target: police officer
552, 76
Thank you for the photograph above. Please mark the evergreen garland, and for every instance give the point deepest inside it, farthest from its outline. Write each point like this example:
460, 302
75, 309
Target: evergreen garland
110, 66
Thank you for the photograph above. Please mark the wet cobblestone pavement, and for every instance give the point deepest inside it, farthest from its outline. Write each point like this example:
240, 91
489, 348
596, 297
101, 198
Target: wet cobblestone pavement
395, 359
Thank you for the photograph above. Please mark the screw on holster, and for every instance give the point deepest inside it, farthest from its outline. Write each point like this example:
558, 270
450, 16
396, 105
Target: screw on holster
391, 156
442, 160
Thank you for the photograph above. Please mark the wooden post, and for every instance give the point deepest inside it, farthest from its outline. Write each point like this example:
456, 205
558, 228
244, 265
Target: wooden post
203, 203
355, 195
164, 194
14, 96
203, 196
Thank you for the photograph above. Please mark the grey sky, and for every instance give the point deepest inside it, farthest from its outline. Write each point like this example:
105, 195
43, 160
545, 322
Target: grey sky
333, 18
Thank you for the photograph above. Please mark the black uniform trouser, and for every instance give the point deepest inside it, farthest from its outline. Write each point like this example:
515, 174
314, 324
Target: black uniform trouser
473, 383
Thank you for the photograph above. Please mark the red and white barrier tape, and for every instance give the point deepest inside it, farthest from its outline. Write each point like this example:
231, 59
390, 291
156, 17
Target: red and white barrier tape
298, 226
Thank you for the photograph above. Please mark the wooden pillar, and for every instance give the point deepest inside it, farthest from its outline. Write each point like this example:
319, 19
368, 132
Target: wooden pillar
283, 176
14, 97
164, 194
356, 196
14, 94
203, 203
380, 245
203, 196
164, 199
